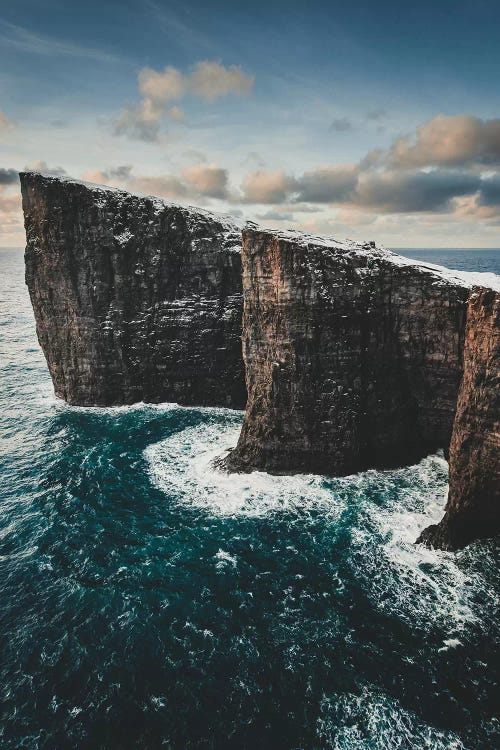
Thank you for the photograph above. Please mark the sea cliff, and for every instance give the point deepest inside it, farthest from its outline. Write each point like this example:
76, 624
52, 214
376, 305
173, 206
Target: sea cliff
473, 508
354, 357
135, 299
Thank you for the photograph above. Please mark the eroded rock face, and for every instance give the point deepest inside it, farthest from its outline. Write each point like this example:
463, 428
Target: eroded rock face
134, 298
473, 508
353, 356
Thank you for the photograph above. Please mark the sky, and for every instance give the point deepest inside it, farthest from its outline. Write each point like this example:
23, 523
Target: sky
369, 120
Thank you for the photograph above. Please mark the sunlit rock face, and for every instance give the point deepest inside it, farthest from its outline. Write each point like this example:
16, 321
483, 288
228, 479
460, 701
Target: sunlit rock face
353, 355
473, 509
135, 299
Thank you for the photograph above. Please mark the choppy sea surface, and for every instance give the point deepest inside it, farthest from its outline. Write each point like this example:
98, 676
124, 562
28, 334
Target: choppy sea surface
147, 601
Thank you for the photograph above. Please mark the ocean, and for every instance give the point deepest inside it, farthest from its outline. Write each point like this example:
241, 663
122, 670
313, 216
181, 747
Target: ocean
149, 602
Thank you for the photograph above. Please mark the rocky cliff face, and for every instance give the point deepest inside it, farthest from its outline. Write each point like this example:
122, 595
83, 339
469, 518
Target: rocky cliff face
473, 508
134, 298
353, 356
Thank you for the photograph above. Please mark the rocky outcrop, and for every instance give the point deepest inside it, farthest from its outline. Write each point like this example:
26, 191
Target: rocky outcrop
353, 356
134, 298
473, 508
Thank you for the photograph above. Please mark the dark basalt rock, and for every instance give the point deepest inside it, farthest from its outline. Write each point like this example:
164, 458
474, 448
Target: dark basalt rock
134, 298
473, 508
353, 356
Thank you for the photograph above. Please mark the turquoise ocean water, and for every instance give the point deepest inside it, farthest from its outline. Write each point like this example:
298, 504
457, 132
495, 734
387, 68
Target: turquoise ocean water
149, 602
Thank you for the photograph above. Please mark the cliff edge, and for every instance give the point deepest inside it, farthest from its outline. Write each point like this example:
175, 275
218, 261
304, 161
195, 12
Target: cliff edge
135, 299
353, 357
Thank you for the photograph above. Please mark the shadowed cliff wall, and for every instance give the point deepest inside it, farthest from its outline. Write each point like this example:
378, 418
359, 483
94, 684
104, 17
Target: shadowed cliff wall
134, 298
353, 356
473, 508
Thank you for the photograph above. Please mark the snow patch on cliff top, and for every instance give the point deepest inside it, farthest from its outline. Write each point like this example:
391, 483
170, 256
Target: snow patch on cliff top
374, 253
229, 223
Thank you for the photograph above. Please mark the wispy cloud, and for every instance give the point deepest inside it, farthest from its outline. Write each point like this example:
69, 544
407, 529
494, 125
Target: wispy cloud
24, 40
176, 22
208, 80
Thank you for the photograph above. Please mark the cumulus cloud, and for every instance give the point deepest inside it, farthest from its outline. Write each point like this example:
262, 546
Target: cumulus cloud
328, 184
163, 86
267, 187
207, 179
113, 174
42, 166
208, 80
412, 191
197, 182
8, 176
167, 186
211, 80
449, 141
142, 122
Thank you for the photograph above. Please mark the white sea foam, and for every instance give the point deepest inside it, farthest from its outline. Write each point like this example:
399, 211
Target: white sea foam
182, 466
418, 582
372, 719
47, 398
387, 509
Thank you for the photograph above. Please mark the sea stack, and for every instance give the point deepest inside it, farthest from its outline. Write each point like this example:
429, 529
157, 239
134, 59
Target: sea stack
135, 299
473, 508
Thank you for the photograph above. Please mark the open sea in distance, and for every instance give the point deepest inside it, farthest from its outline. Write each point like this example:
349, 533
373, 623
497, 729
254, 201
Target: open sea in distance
149, 602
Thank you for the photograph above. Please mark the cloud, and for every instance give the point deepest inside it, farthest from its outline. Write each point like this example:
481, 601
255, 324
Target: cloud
448, 141
197, 182
141, 123
207, 179
113, 174
10, 204
8, 176
267, 187
342, 125
376, 114
328, 184
207, 80
490, 191
162, 87
212, 80
276, 216
167, 186
413, 191
17, 37
42, 166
